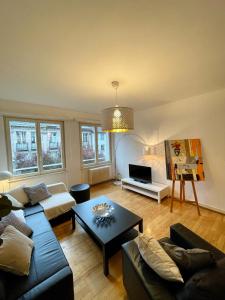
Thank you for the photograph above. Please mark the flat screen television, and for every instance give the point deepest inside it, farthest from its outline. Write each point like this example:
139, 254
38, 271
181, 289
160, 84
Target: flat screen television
140, 173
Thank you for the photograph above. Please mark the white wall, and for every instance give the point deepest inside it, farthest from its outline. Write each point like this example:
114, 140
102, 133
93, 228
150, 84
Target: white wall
73, 173
197, 117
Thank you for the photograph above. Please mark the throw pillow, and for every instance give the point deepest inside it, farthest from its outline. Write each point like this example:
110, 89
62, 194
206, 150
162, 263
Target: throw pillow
13, 200
207, 284
20, 215
19, 194
155, 256
11, 219
189, 260
36, 193
15, 252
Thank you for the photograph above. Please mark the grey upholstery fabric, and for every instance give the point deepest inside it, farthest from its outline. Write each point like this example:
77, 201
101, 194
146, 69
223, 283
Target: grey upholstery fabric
207, 284
36, 193
190, 260
11, 219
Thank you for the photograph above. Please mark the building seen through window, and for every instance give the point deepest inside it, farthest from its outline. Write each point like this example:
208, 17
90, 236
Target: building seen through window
95, 145
30, 154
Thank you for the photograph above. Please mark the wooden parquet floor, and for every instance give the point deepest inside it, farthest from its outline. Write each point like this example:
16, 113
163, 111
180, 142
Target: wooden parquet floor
85, 257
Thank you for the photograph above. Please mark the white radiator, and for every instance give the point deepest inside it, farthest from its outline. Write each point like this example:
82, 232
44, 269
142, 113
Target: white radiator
100, 174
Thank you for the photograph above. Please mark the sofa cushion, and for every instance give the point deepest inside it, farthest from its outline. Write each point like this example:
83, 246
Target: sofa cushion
156, 257
37, 192
207, 284
19, 194
15, 251
34, 222
57, 204
47, 258
11, 219
58, 286
31, 210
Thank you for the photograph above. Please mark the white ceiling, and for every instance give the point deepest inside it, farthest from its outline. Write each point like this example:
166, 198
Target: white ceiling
65, 53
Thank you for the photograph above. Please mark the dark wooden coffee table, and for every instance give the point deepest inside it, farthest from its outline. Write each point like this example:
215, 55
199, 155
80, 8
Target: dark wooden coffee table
109, 235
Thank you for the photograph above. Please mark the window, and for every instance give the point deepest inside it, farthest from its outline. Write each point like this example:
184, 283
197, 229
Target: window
35, 147
95, 145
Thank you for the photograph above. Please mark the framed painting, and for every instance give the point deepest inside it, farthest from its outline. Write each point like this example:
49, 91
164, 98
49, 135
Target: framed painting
184, 160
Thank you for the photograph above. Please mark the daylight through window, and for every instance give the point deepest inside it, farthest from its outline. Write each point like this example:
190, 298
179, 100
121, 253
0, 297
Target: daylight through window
95, 145
35, 146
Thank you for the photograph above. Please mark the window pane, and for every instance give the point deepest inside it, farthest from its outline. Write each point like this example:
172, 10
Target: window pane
103, 146
51, 145
88, 144
24, 147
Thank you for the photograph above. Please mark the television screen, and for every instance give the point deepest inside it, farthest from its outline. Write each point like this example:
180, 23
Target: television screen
140, 173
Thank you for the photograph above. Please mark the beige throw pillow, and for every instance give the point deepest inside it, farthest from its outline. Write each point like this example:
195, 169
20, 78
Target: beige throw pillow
14, 201
19, 194
156, 257
15, 251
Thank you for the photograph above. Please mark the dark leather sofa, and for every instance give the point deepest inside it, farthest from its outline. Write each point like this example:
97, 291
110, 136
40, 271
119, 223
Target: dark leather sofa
50, 275
141, 282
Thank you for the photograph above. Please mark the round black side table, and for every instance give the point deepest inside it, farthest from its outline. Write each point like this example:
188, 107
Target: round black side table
80, 192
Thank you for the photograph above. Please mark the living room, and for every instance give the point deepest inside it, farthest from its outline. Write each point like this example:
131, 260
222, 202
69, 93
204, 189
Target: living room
112, 139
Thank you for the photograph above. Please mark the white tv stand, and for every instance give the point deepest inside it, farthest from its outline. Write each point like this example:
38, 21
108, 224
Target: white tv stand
153, 190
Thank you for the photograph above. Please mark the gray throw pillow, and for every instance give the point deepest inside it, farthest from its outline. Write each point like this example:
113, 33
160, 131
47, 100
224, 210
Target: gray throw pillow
11, 219
189, 260
36, 193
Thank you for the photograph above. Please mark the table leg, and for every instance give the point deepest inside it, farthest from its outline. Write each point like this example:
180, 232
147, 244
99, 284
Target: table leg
181, 190
172, 196
141, 226
105, 261
73, 221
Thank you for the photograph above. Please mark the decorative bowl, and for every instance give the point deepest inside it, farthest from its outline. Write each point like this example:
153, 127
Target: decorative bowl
102, 210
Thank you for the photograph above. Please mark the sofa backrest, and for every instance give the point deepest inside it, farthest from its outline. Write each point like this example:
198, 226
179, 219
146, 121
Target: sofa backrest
19, 194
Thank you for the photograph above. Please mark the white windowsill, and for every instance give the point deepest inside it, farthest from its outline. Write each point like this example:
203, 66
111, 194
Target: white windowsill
22, 178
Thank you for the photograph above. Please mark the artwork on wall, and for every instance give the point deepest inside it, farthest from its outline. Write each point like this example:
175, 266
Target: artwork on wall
184, 160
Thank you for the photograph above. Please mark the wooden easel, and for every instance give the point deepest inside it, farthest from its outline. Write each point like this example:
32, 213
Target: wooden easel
182, 194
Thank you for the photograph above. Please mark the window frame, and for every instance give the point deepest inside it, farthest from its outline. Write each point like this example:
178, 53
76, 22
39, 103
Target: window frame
97, 162
37, 122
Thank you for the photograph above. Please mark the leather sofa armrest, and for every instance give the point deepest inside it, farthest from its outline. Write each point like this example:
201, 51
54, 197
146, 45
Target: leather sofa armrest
184, 237
57, 188
57, 287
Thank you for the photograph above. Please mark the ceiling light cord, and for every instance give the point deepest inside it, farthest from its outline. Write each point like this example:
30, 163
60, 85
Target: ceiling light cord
115, 85
116, 95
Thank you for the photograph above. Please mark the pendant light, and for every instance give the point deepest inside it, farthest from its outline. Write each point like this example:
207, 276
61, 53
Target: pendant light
117, 119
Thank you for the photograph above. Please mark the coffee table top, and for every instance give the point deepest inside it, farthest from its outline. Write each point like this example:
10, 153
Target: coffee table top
122, 219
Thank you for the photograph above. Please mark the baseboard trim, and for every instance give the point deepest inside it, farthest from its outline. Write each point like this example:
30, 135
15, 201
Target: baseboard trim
209, 207
212, 208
